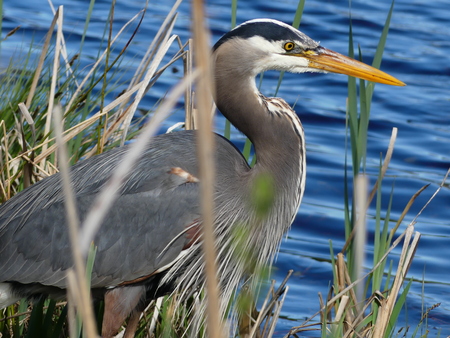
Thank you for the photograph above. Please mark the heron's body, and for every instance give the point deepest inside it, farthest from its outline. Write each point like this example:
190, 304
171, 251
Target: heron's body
135, 237
149, 243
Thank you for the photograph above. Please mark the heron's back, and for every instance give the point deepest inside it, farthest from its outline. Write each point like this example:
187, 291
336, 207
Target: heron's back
137, 236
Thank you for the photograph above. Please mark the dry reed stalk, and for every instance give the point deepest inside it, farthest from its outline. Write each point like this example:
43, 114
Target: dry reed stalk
11, 32
352, 321
26, 114
342, 273
69, 71
342, 307
78, 285
189, 96
406, 209
27, 168
387, 160
2, 189
323, 314
340, 268
352, 292
59, 21
276, 313
348, 281
40, 65
260, 317
5, 190
432, 197
72, 296
41, 171
206, 147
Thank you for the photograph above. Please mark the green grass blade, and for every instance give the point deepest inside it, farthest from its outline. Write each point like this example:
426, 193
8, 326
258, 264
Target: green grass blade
333, 262
280, 79
233, 13
23, 307
382, 43
363, 126
35, 322
380, 49
353, 109
389, 275
59, 325
377, 245
298, 14
227, 131
347, 211
252, 163
352, 116
247, 149
90, 263
385, 233
47, 322
86, 23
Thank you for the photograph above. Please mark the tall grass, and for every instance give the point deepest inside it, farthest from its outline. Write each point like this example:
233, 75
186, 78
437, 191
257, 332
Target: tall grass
88, 122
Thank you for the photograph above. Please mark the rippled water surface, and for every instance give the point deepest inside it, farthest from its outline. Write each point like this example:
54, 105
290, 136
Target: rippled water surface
417, 52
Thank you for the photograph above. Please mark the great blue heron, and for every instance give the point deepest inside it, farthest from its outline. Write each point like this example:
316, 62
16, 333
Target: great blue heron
148, 245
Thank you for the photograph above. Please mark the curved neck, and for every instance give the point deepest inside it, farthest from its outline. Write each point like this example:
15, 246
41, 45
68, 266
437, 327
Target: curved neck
273, 128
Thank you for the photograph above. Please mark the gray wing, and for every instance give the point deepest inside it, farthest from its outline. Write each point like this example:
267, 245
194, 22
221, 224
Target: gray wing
155, 206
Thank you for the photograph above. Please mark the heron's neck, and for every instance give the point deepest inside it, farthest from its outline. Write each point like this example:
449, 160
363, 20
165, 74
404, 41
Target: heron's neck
274, 130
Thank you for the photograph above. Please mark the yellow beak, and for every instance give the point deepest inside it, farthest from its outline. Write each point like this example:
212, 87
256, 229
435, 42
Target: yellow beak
330, 61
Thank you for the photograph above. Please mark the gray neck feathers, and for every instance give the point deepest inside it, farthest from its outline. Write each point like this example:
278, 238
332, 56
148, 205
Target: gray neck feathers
271, 125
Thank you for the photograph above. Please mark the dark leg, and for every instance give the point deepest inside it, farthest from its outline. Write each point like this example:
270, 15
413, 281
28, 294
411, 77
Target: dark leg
132, 324
119, 304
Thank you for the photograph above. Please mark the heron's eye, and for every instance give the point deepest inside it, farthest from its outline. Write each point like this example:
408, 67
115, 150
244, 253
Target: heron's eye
288, 46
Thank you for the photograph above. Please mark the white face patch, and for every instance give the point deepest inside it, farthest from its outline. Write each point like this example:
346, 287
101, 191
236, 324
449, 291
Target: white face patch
270, 55
270, 47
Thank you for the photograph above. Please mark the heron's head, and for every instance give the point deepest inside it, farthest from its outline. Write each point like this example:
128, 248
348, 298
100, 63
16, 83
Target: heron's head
264, 44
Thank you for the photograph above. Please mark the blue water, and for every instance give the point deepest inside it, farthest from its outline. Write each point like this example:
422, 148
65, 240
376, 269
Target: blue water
417, 52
